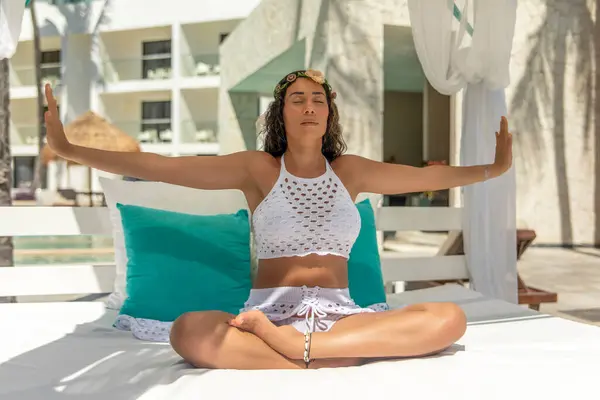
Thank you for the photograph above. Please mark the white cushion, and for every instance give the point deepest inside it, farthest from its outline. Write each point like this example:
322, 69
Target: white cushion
162, 196
537, 356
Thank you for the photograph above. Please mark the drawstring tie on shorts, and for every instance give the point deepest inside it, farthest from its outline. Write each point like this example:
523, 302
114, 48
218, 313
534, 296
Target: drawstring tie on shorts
311, 309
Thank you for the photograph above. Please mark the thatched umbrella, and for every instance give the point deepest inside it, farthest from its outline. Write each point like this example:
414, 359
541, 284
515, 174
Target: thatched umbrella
91, 130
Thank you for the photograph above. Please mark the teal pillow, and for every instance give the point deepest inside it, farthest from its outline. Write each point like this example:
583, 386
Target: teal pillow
180, 262
365, 280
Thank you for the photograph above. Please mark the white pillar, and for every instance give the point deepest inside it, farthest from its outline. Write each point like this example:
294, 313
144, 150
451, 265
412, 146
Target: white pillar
95, 184
97, 67
78, 178
63, 175
426, 121
52, 176
455, 138
176, 89
63, 101
77, 77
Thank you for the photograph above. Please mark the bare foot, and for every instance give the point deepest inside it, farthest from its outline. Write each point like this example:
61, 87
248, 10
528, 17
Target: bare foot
285, 340
253, 321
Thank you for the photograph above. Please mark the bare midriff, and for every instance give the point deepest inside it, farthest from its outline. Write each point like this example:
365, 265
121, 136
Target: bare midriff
312, 270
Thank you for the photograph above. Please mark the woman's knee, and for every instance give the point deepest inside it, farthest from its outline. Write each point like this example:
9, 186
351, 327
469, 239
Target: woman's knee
453, 320
195, 335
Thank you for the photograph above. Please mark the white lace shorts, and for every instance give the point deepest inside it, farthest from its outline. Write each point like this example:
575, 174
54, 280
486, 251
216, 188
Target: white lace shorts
306, 308
313, 308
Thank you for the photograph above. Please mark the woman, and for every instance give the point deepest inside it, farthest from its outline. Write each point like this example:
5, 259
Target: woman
301, 191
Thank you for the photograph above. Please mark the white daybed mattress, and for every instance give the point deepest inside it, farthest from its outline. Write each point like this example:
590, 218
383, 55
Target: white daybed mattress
69, 350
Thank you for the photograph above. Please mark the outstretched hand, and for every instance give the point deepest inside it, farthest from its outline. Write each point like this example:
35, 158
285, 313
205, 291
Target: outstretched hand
503, 159
55, 133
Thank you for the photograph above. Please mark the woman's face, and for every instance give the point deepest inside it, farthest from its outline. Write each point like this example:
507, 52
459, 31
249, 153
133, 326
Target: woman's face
305, 110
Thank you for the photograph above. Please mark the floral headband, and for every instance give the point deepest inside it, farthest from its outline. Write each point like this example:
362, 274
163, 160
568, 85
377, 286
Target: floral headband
316, 76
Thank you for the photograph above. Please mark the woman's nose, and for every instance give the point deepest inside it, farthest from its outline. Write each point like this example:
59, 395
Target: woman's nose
309, 110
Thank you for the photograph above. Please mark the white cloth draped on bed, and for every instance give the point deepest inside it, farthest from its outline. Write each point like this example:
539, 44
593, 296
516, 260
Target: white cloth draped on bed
11, 18
481, 68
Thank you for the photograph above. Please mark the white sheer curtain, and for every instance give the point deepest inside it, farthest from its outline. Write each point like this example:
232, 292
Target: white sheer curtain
11, 17
481, 69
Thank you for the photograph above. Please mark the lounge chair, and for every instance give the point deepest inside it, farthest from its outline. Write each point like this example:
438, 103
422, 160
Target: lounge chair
529, 295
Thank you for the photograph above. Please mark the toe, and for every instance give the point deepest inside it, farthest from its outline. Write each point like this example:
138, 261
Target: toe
237, 321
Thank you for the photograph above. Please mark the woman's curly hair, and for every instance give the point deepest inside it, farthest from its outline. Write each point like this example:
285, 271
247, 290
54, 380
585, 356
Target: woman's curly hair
275, 139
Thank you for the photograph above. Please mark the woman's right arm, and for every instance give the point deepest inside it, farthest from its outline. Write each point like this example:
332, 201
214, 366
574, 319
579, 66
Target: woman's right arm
230, 171
202, 172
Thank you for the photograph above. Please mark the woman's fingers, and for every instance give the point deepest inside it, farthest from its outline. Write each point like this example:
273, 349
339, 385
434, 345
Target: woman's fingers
504, 134
49, 96
51, 116
51, 101
503, 127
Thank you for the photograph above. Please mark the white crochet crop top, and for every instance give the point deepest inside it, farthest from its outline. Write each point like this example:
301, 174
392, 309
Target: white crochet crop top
302, 216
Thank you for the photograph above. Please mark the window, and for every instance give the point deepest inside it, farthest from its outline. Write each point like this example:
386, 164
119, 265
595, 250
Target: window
156, 121
50, 65
23, 171
156, 59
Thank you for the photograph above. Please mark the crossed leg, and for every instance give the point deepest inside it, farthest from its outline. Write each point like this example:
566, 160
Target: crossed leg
206, 340
214, 339
413, 331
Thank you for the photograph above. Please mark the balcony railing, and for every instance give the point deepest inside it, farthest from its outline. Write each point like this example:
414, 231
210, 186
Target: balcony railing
148, 67
198, 131
127, 69
200, 65
148, 131
24, 134
25, 75
160, 131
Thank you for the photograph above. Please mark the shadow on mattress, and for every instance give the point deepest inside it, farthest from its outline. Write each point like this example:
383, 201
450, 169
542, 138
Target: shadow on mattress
92, 361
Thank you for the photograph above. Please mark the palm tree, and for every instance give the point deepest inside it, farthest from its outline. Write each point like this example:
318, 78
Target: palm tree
73, 10
37, 50
76, 10
596, 36
6, 244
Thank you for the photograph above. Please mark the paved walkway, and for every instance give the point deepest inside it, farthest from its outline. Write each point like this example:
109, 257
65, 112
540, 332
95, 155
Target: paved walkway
572, 273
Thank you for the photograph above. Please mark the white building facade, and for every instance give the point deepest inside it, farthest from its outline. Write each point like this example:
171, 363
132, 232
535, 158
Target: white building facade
150, 67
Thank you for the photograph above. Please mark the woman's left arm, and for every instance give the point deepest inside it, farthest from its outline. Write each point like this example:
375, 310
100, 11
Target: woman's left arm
384, 178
